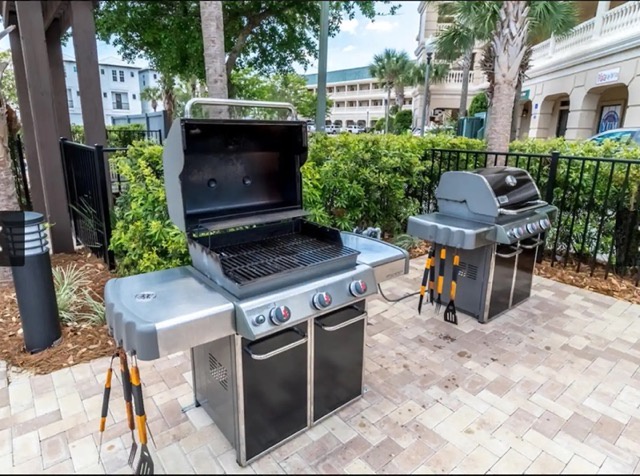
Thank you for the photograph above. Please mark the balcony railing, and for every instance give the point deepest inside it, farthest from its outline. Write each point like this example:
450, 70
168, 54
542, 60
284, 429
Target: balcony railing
619, 21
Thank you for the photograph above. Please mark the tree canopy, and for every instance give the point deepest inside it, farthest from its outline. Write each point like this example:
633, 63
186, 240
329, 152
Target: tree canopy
281, 87
267, 36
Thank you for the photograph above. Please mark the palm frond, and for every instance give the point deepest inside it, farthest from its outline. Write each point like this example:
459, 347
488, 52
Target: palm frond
548, 18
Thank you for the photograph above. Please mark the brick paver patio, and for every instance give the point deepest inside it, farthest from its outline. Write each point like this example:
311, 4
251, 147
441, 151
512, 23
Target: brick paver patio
553, 386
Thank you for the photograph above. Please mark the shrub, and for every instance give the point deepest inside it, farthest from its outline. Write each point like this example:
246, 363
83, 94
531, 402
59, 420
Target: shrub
144, 239
117, 136
76, 303
402, 121
479, 103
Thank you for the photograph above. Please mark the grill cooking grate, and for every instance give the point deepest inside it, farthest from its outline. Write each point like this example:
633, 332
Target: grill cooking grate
248, 262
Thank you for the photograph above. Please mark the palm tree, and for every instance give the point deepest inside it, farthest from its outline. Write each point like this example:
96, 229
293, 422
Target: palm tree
153, 94
508, 28
214, 56
393, 69
438, 72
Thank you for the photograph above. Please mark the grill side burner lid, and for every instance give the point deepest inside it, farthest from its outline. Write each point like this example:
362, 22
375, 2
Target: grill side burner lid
487, 192
225, 173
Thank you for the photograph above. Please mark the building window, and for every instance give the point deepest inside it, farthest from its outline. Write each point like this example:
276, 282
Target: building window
104, 95
132, 75
120, 101
78, 93
114, 75
155, 76
133, 96
75, 69
121, 76
101, 70
69, 98
144, 83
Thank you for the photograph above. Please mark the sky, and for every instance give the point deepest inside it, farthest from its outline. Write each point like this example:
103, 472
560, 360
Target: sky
359, 39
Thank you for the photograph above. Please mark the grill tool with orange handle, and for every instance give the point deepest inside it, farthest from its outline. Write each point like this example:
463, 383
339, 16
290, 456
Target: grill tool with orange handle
443, 258
450, 312
425, 277
128, 394
145, 464
105, 402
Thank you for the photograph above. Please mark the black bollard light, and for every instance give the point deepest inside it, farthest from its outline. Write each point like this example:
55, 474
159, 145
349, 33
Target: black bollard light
26, 249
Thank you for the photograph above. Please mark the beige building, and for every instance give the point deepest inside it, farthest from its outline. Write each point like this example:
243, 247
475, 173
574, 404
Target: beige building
445, 96
588, 81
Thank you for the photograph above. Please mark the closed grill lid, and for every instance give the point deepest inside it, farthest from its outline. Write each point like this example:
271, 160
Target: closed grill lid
512, 187
222, 173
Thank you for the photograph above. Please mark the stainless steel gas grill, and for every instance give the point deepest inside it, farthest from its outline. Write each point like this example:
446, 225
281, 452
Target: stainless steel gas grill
273, 306
494, 217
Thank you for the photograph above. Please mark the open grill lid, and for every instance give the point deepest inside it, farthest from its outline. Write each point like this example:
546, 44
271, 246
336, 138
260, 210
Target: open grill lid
225, 173
487, 192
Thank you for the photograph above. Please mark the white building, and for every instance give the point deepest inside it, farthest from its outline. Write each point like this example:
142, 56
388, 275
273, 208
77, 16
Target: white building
120, 84
149, 79
358, 98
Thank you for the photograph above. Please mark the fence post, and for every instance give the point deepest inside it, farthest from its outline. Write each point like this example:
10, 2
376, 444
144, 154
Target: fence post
553, 171
104, 189
551, 183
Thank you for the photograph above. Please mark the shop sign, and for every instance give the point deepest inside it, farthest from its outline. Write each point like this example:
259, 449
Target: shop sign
608, 76
524, 95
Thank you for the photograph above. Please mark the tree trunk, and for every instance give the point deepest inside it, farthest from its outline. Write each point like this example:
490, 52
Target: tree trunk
509, 44
400, 97
214, 57
466, 69
8, 196
386, 112
514, 118
154, 104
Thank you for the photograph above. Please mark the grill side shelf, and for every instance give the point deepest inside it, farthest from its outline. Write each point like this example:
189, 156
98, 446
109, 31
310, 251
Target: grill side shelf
159, 313
451, 232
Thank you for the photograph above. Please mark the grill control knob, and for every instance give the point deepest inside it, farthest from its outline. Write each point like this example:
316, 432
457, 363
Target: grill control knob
532, 227
322, 300
259, 320
544, 223
279, 315
358, 288
518, 232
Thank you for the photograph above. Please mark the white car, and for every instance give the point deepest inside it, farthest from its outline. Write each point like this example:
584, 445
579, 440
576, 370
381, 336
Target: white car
355, 129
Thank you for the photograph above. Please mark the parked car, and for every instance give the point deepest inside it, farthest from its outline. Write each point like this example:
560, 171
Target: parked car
311, 127
355, 129
331, 129
623, 135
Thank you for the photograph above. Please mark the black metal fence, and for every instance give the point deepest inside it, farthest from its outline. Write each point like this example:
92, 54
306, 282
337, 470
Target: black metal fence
19, 171
598, 201
87, 193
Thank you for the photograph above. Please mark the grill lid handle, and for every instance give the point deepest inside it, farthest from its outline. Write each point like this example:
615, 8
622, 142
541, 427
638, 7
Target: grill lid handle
239, 102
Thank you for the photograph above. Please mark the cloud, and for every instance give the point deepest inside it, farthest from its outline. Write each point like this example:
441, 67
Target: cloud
348, 48
381, 25
349, 26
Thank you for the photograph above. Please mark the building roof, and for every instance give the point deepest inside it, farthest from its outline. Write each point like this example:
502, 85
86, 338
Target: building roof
115, 61
351, 74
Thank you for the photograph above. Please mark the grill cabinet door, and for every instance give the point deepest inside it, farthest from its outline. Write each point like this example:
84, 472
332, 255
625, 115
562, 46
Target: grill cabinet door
524, 272
275, 388
503, 271
338, 358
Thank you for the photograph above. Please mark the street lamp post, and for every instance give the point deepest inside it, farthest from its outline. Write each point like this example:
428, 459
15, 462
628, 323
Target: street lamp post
428, 47
366, 126
321, 107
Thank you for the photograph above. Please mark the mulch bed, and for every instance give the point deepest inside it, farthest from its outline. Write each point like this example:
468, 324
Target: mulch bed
79, 343
85, 343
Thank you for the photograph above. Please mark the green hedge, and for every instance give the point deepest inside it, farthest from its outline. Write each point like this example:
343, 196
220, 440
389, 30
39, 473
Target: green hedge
362, 180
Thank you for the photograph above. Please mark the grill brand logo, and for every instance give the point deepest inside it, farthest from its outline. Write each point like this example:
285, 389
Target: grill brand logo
145, 296
511, 181
12, 241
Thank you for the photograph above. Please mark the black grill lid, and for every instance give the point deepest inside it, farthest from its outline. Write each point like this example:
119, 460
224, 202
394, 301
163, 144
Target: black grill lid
222, 173
512, 187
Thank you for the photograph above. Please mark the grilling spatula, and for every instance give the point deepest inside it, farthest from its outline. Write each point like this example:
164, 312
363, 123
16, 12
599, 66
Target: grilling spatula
443, 258
450, 312
425, 276
145, 464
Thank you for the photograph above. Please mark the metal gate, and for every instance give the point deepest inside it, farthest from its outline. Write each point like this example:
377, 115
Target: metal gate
87, 193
